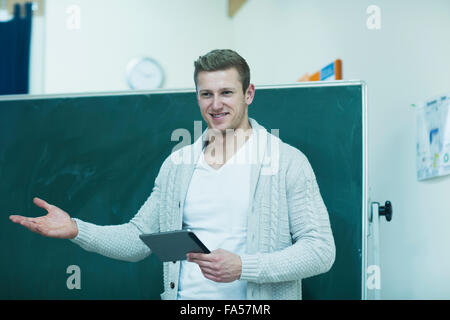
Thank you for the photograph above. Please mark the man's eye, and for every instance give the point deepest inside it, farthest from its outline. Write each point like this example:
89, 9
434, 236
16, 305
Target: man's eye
227, 92
205, 94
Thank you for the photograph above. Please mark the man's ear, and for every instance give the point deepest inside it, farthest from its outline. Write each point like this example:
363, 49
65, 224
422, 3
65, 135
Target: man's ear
196, 96
250, 94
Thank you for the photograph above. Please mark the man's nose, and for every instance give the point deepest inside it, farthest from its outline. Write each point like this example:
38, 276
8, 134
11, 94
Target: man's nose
217, 103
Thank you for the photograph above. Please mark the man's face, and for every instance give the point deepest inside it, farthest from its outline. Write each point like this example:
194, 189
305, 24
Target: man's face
222, 101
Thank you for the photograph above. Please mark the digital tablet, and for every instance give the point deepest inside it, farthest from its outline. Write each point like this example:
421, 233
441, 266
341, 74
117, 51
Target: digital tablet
173, 245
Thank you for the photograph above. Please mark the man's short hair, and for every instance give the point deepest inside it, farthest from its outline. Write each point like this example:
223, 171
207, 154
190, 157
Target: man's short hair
223, 59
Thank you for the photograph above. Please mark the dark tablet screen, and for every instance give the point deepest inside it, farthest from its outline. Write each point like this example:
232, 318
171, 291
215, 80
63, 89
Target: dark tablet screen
173, 245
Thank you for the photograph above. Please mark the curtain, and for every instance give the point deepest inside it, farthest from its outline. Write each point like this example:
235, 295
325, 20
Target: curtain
15, 40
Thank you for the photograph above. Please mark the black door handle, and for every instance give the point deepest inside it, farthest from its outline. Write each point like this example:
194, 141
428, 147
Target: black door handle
386, 210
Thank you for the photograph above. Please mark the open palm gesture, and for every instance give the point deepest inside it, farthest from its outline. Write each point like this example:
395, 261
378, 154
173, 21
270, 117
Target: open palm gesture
55, 224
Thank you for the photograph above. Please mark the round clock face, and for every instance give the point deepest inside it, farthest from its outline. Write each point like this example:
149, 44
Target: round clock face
144, 74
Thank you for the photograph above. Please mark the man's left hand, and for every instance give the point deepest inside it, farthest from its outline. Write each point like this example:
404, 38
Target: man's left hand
219, 265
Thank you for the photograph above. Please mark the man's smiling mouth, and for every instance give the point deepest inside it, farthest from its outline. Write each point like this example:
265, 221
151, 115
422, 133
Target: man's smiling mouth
219, 115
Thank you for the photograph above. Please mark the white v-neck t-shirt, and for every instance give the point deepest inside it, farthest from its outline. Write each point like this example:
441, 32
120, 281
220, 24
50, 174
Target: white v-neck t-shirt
216, 209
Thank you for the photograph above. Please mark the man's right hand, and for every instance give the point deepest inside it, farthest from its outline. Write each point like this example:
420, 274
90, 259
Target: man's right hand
55, 224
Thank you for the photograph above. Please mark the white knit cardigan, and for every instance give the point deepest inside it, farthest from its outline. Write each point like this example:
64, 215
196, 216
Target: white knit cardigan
289, 237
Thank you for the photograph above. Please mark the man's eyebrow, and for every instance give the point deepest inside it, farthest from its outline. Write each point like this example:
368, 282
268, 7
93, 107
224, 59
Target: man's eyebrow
221, 89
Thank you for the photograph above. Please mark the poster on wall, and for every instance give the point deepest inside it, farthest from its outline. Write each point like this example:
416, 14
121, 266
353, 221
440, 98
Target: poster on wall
433, 138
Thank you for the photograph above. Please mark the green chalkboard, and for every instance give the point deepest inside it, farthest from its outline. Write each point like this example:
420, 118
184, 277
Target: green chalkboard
97, 157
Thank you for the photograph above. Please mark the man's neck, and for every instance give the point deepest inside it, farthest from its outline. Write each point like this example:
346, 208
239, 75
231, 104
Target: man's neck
222, 146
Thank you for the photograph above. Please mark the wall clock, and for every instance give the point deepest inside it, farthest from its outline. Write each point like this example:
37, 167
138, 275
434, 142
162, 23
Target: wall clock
144, 74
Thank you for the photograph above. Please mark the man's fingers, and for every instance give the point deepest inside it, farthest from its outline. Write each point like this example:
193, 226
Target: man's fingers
41, 203
30, 224
210, 276
204, 264
16, 218
208, 264
194, 257
212, 272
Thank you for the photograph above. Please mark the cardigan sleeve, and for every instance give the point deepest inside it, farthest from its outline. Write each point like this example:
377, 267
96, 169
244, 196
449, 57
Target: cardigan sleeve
122, 241
313, 248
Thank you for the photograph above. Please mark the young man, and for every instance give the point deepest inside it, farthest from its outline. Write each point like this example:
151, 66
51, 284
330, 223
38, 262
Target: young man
248, 196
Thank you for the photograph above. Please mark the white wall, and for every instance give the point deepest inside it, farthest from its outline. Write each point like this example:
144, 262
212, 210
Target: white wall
404, 62
112, 32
